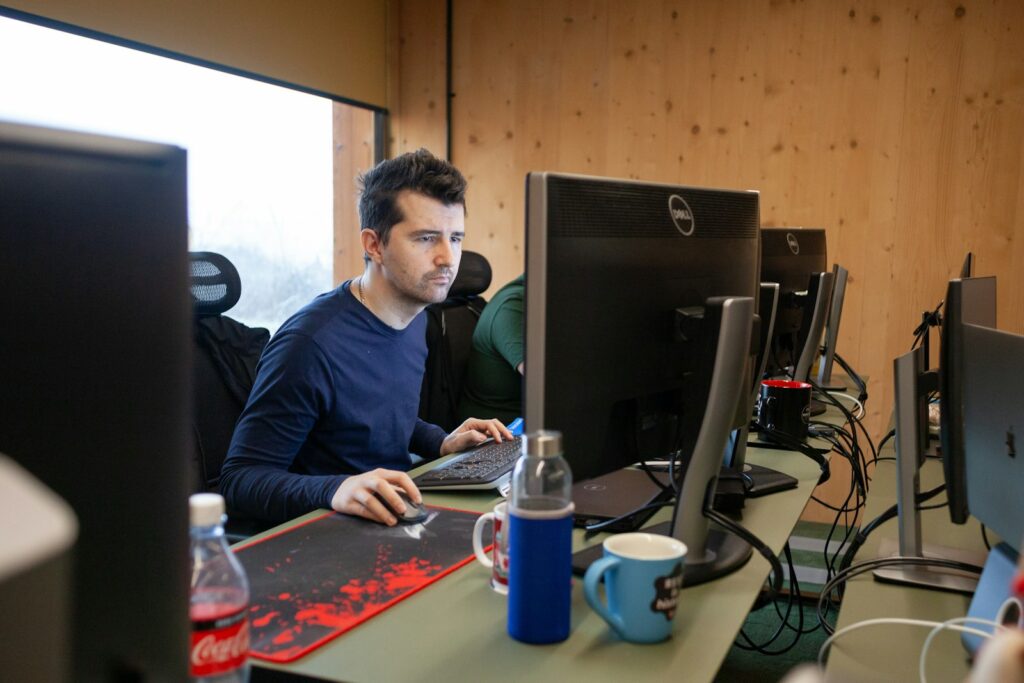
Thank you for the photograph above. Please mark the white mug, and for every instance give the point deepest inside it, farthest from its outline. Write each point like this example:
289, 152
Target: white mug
498, 564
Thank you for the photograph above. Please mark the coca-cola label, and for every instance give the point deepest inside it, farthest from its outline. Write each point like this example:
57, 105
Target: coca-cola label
219, 645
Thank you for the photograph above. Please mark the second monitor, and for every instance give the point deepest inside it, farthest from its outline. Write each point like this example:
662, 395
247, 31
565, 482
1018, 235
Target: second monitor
796, 259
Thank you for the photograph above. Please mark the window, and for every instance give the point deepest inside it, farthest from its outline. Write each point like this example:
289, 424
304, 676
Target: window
260, 156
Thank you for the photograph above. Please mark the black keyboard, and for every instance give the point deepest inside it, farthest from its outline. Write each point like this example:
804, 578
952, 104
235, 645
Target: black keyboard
485, 466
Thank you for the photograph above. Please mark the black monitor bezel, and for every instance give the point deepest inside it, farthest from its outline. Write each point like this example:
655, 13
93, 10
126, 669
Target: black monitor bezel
959, 292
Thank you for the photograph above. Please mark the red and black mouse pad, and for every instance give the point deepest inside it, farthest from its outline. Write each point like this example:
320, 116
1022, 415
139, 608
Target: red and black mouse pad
315, 581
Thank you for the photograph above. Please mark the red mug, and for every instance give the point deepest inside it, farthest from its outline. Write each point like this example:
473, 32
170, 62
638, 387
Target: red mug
784, 406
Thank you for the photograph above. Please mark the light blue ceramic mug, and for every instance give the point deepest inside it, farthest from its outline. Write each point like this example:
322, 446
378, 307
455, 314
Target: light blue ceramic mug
643, 574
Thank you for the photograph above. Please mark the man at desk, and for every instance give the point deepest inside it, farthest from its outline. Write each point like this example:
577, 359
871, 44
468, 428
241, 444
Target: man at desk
331, 419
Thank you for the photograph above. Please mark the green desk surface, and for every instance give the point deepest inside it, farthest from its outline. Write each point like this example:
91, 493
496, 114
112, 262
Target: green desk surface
890, 652
455, 629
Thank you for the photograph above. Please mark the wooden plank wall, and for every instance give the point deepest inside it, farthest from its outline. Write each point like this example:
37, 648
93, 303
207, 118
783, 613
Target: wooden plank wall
417, 101
353, 154
898, 127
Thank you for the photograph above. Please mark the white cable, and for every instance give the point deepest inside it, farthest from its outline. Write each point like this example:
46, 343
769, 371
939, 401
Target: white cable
875, 622
949, 624
860, 406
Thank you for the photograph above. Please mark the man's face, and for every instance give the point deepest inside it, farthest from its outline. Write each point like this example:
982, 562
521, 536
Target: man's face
423, 251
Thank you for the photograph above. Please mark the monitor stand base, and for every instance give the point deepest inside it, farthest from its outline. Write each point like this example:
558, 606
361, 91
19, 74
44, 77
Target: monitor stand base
767, 480
725, 554
930, 577
779, 447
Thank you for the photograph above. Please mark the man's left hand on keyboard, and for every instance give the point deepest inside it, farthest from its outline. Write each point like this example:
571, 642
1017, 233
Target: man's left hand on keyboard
473, 432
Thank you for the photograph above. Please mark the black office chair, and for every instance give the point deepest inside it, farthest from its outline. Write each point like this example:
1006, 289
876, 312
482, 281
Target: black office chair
450, 326
224, 363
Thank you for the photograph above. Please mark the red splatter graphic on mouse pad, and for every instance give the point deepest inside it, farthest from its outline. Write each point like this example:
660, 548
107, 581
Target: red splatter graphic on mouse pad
315, 581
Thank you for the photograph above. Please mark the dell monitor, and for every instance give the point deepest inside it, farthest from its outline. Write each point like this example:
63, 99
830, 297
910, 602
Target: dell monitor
968, 301
795, 258
609, 266
618, 278
94, 380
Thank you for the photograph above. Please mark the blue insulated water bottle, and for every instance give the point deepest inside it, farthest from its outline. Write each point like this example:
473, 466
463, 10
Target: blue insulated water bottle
540, 542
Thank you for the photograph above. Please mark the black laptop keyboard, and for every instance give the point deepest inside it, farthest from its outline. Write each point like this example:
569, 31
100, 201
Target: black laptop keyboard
482, 465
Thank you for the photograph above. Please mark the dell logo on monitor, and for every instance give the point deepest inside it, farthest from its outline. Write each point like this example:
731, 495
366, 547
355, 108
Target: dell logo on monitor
794, 246
681, 215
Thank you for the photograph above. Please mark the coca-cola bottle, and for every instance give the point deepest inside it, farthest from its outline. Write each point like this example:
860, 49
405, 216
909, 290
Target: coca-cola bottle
219, 605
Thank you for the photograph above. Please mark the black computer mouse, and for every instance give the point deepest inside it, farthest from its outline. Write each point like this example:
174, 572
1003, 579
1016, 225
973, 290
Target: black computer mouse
414, 512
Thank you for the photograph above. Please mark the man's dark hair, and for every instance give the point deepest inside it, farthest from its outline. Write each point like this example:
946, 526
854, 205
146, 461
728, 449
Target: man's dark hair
419, 171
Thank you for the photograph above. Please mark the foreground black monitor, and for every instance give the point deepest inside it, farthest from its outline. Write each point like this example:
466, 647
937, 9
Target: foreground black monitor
993, 412
792, 257
617, 275
94, 373
971, 301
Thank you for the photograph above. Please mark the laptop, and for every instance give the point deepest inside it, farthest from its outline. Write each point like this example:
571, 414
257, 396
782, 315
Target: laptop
617, 494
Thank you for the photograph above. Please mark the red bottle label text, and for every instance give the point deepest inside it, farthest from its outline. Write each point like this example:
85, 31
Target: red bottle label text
219, 645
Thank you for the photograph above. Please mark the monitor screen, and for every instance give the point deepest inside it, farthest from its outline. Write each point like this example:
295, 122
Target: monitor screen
790, 257
617, 275
993, 410
971, 301
94, 361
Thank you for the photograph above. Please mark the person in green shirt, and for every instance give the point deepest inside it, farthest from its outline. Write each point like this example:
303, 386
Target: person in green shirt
494, 378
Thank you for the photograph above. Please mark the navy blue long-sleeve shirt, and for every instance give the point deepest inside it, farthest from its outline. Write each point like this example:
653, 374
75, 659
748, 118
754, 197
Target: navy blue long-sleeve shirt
336, 393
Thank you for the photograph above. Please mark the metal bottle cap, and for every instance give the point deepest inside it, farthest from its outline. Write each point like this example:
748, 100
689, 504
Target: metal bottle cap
543, 444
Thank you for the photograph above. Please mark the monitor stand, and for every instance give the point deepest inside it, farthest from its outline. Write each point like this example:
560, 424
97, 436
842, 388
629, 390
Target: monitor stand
723, 553
711, 553
763, 480
911, 390
721, 356
835, 310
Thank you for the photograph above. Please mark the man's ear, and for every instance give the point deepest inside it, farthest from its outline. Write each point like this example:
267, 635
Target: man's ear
372, 245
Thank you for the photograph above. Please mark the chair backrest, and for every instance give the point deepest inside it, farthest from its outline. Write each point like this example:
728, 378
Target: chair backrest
224, 363
213, 282
450, 326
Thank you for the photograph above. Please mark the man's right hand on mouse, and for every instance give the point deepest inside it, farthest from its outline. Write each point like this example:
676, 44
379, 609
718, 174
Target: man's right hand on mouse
356, 496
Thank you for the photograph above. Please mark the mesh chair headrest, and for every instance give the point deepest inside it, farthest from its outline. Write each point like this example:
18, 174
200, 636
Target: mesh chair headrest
214, 283
474, 276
